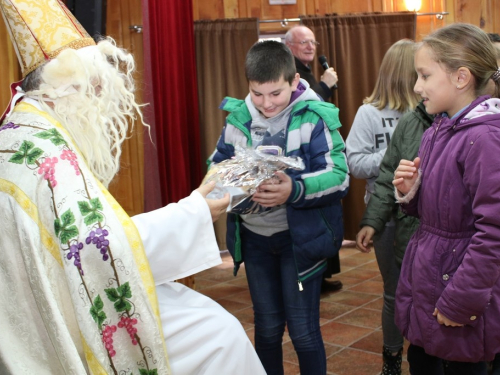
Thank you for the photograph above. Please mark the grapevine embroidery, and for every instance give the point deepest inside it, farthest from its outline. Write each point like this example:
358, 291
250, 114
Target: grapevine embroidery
68, 233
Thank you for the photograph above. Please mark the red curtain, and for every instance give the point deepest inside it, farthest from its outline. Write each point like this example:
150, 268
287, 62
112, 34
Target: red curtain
171, 88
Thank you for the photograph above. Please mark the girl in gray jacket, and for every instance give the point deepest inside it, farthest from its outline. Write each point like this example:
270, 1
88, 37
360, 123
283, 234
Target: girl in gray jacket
366, 144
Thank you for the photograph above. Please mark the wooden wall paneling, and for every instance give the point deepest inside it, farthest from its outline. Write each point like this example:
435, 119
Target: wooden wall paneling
477, 12
450, 8
253, 8
274, 12
210, 10
487, 10
496, 17
10, 72
482, 13
342, 6
314, 7
128, 186
242, 9
231, 9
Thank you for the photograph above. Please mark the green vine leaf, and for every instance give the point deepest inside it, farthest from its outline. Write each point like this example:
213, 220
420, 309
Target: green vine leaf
143, 371
27, 152
90, 211
69, 233
119, 296
112, 294
96, 312
125, 290
67, 218
63, 227
53, 135
98, 303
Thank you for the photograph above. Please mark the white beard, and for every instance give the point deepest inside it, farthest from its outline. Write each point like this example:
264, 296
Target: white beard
94, 102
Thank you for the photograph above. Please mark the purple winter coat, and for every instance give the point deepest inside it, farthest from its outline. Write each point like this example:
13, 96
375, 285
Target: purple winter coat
452, 262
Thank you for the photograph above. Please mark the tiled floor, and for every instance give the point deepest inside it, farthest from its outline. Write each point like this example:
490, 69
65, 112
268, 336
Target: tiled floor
350, 318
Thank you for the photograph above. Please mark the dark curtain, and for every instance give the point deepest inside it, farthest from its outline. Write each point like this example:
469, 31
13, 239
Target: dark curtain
172, 164
355, 45
221, 48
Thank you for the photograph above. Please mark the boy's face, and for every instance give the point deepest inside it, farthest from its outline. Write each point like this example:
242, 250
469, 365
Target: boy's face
271, 98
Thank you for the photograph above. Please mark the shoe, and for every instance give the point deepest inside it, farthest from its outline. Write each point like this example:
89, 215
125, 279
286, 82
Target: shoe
392, 363
330, 286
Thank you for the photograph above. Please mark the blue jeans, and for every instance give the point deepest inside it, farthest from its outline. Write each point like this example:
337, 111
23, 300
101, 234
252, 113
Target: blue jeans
273, 283
422, 363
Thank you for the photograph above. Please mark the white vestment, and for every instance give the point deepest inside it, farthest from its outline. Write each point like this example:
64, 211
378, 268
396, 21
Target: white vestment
72, 264
201, 336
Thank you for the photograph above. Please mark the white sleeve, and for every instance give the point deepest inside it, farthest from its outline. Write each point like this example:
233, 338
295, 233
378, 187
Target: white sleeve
179, 239
362, 158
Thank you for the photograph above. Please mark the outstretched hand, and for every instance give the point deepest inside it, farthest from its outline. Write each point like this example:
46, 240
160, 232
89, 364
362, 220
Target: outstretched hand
274, 192
216, 206
405, 175
363, 238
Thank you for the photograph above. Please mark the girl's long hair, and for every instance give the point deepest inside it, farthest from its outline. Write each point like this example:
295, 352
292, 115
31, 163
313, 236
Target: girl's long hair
396, 79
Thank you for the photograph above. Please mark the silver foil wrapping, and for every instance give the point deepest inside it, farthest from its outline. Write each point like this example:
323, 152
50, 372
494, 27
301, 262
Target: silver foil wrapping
241, 175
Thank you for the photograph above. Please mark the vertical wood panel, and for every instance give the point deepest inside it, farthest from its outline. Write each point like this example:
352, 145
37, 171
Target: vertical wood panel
231, 9
485, 13
10, 71
128, 186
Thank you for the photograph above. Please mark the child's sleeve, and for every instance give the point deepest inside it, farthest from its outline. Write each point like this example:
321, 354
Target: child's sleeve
327, 179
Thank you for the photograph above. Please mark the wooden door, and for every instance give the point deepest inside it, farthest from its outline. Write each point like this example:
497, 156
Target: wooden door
10, 71
128, 186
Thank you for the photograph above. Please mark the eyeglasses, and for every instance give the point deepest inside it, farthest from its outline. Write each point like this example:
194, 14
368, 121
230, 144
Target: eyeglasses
304, 42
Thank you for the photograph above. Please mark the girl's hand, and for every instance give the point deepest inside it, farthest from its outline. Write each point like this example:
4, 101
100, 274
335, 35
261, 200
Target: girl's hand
441, 319
405, 175
363, 238
274, 192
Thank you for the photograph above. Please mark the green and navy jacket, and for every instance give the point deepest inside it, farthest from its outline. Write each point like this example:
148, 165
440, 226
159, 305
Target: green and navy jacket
314, 210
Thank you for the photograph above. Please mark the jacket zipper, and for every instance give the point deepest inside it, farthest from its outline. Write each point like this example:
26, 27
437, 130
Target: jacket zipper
301, 288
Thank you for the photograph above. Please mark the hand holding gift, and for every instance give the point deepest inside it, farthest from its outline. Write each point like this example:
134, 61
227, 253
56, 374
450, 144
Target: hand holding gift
250, 172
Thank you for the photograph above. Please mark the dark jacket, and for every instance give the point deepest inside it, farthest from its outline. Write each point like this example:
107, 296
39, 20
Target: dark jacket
382, 205
314, 209
319, 88
452, 262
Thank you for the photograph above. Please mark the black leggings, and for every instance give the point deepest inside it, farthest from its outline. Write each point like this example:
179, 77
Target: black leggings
422, 363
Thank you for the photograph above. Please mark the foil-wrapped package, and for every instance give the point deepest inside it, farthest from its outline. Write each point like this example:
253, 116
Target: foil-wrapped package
241, 175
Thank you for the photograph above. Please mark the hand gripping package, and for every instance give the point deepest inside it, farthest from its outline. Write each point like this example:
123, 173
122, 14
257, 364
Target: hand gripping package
241, 175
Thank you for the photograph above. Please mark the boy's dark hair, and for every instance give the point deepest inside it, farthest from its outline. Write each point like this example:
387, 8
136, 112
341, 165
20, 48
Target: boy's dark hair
268, 61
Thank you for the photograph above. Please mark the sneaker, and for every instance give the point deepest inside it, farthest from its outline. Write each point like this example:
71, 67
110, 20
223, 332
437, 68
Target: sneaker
392, 363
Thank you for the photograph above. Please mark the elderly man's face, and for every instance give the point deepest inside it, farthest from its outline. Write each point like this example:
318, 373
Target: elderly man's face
306, 50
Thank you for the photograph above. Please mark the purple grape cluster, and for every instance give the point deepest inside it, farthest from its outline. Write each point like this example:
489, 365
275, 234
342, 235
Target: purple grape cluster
129, 323
74, 253
9, 125
107, 339
98, 238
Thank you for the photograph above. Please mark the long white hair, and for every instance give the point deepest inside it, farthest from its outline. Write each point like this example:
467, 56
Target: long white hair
91, 92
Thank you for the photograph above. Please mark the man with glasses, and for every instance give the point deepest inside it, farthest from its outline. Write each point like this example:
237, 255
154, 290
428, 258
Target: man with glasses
302, 43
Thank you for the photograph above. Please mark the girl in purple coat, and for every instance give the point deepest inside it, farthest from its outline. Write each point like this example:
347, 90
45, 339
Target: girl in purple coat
448, 297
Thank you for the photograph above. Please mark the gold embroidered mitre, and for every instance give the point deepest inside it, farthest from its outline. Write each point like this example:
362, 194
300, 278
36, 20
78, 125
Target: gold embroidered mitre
40, 30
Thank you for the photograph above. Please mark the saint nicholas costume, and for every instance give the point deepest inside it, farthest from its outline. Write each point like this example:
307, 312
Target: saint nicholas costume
85, 288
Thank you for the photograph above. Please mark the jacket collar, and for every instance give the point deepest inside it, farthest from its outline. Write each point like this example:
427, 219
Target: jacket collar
469, 116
